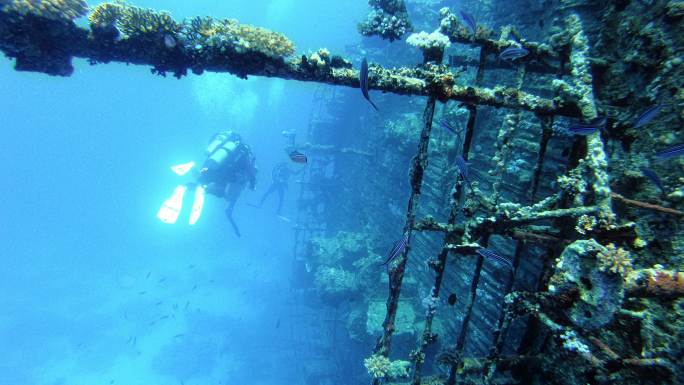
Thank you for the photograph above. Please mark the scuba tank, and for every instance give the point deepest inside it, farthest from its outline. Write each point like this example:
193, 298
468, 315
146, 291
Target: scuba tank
220, 147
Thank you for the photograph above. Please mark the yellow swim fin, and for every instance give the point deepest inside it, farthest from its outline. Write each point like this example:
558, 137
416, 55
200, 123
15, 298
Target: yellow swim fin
182, 169
197, 206
171, 208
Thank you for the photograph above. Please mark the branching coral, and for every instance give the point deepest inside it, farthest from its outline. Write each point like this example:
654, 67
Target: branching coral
615, 260
51, 9
388, 19
230, 34
137, 21
105, 15
379, 366
133, 22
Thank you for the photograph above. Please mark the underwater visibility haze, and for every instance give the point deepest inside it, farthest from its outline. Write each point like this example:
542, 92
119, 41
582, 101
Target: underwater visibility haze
351, 192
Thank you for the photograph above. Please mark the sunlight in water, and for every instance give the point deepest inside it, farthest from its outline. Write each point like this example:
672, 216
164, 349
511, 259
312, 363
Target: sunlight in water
225, 100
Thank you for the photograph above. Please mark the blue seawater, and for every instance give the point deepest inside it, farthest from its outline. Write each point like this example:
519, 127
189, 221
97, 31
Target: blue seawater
93, 288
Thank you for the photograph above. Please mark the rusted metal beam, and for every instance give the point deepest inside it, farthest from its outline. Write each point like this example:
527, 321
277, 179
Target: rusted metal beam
45, 45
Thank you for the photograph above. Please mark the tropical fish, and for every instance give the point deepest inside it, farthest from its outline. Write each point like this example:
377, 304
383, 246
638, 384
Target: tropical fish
462, 166
169, 41
653, 177
447, 126
513, 53
398, 248
363, 81
469, 20
588, 128
298, 157
648, 115
489, 254
671, 152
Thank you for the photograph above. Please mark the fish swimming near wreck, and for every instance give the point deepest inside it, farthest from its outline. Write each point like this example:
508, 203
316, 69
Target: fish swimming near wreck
513, 53
469, 20
447, 126
298, 157
671, 152
462, 167
654, 178
398, 248
489, 254
581, 128
363, 81
648, 115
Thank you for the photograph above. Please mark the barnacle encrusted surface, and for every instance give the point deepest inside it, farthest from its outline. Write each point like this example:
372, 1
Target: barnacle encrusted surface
600, 291
51, 9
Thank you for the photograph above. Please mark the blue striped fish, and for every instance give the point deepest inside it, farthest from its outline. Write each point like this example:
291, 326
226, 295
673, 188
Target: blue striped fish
363, 82
447, 126
648, 115
462, 166
588, 128
489, 254
671, 152
469, 21
653, 177
513, 53
398, 248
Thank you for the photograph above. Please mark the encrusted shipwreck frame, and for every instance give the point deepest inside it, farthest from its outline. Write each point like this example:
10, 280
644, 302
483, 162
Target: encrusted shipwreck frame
578, 222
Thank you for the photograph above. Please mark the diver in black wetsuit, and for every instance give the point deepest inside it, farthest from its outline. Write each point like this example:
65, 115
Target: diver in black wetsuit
281, 174
229, 168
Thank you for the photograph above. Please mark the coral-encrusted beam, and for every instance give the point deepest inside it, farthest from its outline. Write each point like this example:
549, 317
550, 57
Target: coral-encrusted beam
47, 45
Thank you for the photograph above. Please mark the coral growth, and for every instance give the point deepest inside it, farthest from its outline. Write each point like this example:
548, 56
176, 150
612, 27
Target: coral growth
105, 15
432, 44
656, 281
379, 366
133, 22
615, 260
388, 19
332, 281
600, 292
219, 35
51, 9
229, 34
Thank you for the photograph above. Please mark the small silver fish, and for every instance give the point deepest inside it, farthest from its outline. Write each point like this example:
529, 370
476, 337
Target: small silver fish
169, 41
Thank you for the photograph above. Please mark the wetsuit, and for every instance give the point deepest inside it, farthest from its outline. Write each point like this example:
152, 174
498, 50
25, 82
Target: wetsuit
281, 174
228, 178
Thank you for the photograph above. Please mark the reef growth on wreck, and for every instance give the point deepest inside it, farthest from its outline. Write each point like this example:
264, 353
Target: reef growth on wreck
542, 218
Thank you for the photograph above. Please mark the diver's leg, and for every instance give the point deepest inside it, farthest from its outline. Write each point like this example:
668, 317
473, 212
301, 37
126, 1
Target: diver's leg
281, 197
268, 192
232, 195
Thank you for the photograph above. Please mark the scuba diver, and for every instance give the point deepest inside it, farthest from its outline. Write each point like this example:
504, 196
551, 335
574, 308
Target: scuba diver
228, 169
281, 174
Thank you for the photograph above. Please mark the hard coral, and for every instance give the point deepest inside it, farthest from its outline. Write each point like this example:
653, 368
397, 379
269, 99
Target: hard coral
379, 366
51, 9
136, 22
615, 260
229, 34
388, 19
133, 21
105, 15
